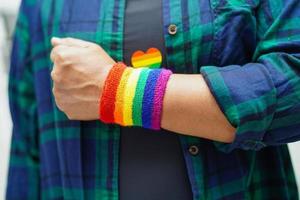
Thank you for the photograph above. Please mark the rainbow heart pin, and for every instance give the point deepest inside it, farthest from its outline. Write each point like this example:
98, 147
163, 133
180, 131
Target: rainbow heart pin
152, 58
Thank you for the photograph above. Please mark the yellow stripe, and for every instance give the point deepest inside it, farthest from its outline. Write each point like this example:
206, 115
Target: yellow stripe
118, 113
147, 62
129, 95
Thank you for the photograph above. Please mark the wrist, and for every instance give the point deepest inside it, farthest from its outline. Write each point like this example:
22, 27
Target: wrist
133, 97
103, 77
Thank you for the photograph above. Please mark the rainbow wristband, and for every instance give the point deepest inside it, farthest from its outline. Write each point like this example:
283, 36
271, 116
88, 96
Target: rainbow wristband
133, 97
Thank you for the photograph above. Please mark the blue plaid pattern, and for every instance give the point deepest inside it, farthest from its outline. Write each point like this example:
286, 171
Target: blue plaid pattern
248, 52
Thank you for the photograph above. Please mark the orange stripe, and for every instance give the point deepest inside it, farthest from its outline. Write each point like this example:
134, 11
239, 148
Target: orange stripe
118, 113
146, 56
152, 50
138, 53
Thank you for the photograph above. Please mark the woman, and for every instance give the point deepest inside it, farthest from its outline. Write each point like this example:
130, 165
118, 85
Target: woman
213, 135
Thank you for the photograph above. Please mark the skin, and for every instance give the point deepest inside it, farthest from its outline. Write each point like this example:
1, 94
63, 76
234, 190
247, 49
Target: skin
79, 72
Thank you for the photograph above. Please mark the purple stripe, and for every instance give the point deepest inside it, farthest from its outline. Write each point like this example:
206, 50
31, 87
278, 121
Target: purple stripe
158, 97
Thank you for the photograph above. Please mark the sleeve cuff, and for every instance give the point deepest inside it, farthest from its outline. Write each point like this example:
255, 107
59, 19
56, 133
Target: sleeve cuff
247, 97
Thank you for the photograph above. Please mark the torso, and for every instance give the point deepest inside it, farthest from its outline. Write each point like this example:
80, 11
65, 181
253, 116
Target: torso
80, 159
151, 163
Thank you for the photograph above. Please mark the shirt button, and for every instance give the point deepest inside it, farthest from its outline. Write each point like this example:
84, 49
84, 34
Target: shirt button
172, 29
194, 150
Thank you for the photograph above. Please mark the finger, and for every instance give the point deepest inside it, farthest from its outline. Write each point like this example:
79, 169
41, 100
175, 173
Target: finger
52, 55
61, 51
66, 55
74, 42
53, 72
55, 41
57, 52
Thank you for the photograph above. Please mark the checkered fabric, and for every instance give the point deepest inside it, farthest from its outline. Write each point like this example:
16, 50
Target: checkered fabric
247, 50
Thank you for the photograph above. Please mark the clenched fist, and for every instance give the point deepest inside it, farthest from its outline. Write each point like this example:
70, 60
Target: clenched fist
79, 72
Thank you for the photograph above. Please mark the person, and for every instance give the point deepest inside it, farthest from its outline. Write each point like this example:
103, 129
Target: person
196, 99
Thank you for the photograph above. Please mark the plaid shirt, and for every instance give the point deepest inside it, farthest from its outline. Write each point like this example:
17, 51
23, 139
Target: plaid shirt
249, 54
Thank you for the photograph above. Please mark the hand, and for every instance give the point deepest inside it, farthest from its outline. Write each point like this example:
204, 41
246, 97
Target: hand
79, 71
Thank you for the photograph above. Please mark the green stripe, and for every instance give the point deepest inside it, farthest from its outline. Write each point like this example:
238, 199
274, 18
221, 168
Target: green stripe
138, 98
155, 65
286, 121
259, 125
221, 93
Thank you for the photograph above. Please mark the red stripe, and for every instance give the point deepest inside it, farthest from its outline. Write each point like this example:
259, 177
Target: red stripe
108, 98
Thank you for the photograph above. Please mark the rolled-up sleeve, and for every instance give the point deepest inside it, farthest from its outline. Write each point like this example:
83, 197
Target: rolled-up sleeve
262, 99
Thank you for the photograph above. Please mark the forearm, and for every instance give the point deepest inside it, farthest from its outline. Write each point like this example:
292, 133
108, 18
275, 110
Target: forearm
189, 108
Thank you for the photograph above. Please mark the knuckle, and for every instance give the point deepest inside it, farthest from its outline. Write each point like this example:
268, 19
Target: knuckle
55, 92
55, 53
70, 116
52, 57
66, 63
56, 77
60, 56
64, 58
53, 74
59, 100
60, 105
68, 39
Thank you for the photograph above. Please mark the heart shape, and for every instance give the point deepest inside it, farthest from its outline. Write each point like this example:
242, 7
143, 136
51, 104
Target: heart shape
152, 58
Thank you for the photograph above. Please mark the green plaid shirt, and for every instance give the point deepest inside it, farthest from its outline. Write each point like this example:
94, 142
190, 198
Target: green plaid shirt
247, 50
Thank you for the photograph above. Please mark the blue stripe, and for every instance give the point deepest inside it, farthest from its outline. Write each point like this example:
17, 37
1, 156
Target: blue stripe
148, 98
